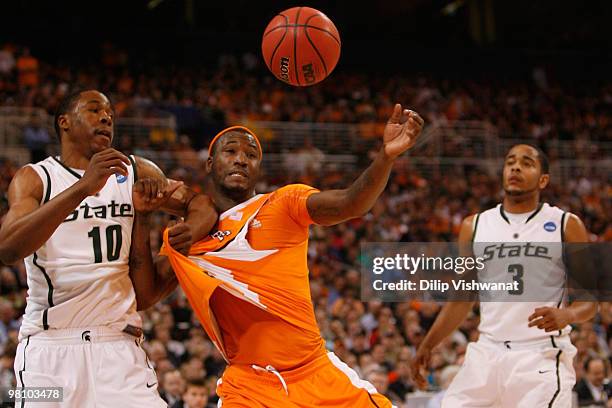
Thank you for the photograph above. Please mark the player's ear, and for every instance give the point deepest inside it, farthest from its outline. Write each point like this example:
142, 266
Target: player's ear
63, 121
209, 162
544, 180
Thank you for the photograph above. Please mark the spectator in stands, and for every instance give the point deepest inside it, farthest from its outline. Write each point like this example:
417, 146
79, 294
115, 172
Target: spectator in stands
195, 395
378, 377
7, 360
172, 387
402, 383
446, 377
27, 68
594, 388
36, 138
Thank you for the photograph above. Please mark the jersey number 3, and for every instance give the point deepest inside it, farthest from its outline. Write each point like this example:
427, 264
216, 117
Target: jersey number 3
517, 271
113, 243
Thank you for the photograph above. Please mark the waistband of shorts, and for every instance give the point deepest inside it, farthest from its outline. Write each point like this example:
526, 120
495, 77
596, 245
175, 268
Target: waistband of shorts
95, 334
247, 372
536, 344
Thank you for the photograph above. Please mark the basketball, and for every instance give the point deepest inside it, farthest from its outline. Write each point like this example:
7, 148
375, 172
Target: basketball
301, 46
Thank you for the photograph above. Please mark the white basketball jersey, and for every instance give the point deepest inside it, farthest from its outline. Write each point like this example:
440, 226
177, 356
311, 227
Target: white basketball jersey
532, 256
80, 277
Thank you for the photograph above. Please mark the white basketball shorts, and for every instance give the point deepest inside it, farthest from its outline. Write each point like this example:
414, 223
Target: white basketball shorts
96, 368
536, 374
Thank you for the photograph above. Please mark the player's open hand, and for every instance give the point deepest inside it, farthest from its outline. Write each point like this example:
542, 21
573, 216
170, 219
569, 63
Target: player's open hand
550, 319
402, 130
150, 194
180, 236
419, 367
101, 166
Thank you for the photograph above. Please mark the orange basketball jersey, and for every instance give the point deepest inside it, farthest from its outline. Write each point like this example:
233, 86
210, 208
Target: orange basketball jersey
257, 258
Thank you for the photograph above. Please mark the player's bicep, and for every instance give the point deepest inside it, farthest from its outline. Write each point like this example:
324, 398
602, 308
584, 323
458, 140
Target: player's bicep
575, 231
327, 207
466, 232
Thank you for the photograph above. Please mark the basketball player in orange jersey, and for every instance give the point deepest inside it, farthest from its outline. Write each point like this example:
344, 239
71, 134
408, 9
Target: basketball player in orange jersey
248, 281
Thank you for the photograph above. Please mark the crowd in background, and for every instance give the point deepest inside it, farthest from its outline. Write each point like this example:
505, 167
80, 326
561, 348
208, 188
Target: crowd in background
376, 339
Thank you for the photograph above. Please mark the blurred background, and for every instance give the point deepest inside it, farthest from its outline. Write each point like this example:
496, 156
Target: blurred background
484, 74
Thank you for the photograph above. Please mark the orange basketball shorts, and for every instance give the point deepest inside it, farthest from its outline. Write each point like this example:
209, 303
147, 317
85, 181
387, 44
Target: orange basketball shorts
324, 382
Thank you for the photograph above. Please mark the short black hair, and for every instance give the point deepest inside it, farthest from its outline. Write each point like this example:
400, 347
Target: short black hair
542, 157
66, 104
590, 359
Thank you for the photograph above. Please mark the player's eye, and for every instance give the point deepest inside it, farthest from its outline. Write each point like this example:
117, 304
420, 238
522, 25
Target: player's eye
252, 156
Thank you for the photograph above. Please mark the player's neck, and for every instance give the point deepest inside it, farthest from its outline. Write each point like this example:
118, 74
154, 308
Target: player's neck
224, 201
73, 158
521, 204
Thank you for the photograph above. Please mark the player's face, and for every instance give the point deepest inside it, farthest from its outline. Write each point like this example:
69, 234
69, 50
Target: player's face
522, 171
196, 397
90, 123
235, 163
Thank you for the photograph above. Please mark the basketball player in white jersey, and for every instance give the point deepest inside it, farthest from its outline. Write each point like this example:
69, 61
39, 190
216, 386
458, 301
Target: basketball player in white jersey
81, 222
523, 357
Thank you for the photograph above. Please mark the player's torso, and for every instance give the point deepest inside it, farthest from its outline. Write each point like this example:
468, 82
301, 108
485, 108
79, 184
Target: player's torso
528, 253
80, 275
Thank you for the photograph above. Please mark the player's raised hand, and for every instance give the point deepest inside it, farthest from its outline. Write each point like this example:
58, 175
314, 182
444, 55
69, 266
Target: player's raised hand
150, 194
180, 236
402, 130
419, 366
101, 166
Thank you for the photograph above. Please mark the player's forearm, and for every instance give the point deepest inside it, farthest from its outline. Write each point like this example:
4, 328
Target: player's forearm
450, 317
364, 192
335, 206
580, 312
142, 268
201, 217
20, 237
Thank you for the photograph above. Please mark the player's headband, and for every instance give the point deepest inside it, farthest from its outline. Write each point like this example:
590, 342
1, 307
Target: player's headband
229, 129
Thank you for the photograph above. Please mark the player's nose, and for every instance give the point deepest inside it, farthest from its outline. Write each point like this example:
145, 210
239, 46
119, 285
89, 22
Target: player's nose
106, 119
241, 158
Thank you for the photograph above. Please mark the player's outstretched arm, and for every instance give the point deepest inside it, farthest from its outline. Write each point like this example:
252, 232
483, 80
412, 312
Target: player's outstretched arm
450, 317
552, 319
335, 206
28, 224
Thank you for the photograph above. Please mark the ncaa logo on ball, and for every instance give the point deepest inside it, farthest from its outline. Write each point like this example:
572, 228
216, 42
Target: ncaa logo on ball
550, 226
121, 178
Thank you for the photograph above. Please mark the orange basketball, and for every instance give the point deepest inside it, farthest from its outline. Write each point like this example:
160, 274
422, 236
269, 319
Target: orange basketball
301, 46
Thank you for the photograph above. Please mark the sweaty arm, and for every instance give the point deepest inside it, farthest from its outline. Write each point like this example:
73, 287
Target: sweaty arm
29, 224
552, 319
154, 279
450, 317
335, 206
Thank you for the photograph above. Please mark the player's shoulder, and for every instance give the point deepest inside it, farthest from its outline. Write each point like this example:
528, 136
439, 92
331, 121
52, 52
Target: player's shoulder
293, 190
33, 170
546, 207
495, 211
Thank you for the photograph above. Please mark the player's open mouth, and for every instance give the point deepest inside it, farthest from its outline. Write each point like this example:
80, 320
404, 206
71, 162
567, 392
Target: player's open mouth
237, 173
105, 133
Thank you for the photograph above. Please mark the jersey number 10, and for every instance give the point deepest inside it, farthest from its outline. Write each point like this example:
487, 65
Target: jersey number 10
113, 243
